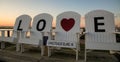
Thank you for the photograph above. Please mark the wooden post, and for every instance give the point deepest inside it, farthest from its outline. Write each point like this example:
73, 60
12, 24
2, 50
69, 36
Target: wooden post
3, 43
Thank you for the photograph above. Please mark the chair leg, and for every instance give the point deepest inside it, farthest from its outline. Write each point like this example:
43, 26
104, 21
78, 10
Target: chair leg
85, 55
17, 47
2, 45
77, 55
42, 50
22, 48
49, 52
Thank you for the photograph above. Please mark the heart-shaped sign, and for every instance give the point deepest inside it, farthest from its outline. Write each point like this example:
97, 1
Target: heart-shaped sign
67, 24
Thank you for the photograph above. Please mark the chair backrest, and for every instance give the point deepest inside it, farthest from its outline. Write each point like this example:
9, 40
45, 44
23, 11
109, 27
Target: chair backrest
41, 23
22, 24
99, 27
67, 25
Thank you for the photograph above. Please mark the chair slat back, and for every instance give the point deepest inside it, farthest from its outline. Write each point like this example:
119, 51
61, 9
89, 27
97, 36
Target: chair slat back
41, 23
22, 24
67, 25
99, 27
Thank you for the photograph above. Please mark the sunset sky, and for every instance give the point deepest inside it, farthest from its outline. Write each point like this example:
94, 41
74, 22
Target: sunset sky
10, 9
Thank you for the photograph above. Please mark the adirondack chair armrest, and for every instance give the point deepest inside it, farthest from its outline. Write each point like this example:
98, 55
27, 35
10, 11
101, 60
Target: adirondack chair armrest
21, 33
51, 34
78, 33
45, 32
116, 32
83, 33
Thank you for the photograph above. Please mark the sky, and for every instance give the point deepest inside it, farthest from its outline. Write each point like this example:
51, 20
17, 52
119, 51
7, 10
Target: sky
11, 9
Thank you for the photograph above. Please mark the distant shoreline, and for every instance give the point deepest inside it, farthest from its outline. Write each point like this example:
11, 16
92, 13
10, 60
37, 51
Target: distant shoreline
6, 27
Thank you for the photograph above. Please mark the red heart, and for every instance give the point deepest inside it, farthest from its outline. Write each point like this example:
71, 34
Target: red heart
67, 24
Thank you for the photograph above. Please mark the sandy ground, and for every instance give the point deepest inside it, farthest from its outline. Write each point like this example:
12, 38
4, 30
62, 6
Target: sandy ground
32, 54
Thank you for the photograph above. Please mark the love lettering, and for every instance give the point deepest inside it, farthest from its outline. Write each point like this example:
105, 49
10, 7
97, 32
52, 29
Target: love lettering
68, 23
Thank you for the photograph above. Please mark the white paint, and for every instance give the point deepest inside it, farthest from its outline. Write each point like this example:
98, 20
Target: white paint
34, 33
92, 38
100, 40
61, 36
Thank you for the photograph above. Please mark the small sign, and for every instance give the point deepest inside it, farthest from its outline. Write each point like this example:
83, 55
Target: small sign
62, 44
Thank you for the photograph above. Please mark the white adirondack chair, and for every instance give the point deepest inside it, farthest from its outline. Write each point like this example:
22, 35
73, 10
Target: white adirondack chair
66, 32
41, 25
22, 24
100, 31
